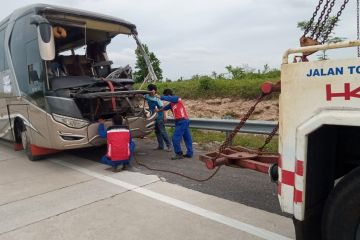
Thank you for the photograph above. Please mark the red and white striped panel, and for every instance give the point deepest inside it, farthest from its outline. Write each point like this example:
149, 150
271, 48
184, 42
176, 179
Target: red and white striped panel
290, 188
299, 190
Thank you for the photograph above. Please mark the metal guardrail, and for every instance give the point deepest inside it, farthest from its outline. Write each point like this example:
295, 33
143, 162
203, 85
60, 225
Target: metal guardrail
228, 125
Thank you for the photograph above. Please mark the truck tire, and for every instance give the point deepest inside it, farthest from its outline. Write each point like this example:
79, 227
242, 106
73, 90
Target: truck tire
341, 215
25, 139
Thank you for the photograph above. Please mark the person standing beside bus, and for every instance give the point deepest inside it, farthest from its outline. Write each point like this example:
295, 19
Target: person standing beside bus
155, 103
181, 124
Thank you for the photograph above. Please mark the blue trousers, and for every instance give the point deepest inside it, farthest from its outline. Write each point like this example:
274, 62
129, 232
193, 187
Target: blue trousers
161, 134
182, 131
115, 164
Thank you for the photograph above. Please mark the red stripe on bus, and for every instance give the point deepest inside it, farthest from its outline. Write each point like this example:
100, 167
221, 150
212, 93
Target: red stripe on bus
40, 151
18, 147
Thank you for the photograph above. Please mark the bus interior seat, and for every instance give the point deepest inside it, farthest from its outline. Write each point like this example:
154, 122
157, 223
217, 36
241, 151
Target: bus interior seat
102, 68
55, 69
76, 65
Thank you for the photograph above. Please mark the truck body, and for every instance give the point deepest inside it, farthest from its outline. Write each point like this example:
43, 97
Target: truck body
319, 145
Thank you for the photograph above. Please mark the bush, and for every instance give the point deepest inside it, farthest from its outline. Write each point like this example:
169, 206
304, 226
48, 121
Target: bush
201, 87
205, 83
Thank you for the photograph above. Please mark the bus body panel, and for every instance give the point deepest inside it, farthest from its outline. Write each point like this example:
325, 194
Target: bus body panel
23, 82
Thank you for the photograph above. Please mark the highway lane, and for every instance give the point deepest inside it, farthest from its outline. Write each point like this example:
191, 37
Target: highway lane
239, 185
71, 197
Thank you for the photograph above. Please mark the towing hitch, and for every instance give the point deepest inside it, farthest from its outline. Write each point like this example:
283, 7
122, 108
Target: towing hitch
240, 157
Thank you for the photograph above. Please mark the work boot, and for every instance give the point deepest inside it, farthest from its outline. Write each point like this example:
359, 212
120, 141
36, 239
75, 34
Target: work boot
177, 157
187, 156
127, 167
116, 168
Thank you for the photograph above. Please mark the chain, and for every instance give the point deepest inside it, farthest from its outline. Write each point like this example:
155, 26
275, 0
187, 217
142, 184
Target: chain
319, 19
231, 136
321, 28
308, 27
221, 149
223, 146
334, 22
178, 173
269, 138
358, 25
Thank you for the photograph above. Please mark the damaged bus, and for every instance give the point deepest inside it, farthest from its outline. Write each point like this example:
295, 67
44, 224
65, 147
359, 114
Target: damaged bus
51, 96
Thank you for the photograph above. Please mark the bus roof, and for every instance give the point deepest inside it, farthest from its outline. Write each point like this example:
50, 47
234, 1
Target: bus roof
46, 8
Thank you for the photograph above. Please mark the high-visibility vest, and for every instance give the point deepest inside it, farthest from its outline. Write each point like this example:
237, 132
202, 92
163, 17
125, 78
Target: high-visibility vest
179, 110
118, 141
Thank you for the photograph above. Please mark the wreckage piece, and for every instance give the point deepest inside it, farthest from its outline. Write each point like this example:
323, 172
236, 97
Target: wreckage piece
122, 94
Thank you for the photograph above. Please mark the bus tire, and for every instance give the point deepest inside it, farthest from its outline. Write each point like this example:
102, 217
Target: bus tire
25, 139
18, 126
341, 215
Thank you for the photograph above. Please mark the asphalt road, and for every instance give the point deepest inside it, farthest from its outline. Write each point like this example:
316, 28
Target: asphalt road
68, 197
239, 185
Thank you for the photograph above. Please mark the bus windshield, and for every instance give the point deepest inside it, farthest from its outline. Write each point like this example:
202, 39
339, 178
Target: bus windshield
81, 49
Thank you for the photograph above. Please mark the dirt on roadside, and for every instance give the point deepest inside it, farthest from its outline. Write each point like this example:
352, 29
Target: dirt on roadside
218, 108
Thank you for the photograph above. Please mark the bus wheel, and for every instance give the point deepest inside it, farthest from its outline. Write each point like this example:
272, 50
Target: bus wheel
18, 126
25, 140
341, 215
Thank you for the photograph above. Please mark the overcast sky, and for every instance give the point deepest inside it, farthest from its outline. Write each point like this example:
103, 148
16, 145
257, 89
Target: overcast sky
201, 36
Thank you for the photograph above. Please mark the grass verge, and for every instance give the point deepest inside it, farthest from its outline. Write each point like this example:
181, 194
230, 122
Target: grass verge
209, 140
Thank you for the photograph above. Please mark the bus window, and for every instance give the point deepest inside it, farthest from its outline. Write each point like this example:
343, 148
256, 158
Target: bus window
27, 61
33, 61
28, 69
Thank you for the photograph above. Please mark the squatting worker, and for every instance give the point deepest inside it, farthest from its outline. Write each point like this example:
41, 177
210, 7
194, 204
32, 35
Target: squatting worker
181, 124
155, 103
120, 146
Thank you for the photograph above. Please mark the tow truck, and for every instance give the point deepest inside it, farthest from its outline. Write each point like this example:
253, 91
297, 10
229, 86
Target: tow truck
317, 170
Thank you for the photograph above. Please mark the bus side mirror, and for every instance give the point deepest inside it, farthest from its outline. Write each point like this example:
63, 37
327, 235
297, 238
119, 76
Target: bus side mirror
45, 37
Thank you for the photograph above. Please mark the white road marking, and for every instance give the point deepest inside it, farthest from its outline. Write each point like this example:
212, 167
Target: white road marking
253, 230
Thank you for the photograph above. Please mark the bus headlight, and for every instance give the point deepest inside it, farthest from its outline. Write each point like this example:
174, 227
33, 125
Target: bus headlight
70, 122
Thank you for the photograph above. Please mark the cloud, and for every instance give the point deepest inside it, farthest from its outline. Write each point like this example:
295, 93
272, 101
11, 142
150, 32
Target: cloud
123, 57
198, 37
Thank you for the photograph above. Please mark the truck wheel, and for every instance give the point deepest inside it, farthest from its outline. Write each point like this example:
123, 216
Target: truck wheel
25, 140
341, 215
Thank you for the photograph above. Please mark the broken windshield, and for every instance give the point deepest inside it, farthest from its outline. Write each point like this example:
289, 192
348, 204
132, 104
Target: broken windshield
82, 50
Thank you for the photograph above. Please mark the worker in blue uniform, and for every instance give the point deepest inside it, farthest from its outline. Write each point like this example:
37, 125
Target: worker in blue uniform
155, 103
120, 146
182, 130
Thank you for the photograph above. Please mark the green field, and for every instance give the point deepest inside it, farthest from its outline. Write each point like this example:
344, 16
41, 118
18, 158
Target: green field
245, 140
204, 138
248, 87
